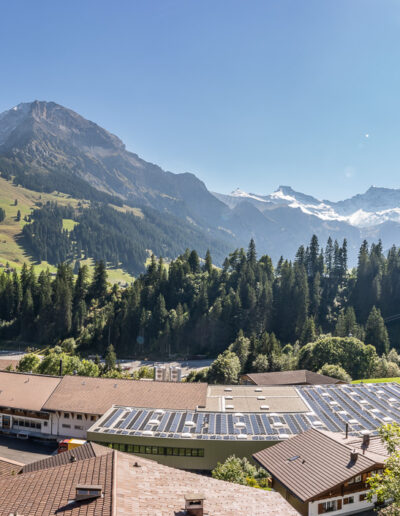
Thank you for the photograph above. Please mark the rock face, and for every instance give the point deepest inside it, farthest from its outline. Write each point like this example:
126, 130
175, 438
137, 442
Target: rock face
46, 147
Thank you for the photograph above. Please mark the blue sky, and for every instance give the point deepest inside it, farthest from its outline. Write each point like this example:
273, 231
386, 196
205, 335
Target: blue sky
249, 94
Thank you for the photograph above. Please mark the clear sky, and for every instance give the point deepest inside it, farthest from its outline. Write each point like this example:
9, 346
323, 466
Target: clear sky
249, 94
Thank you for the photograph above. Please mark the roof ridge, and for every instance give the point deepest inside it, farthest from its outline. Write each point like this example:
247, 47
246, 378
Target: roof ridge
114, 484
33, 374
348, 446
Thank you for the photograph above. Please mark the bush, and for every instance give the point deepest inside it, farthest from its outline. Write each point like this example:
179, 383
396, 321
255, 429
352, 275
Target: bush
335, 371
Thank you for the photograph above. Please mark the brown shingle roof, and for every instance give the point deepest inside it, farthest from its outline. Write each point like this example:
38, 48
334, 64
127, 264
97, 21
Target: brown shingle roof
50, 491
300, 377
97, 395
153, 489
26, 391
322, 463
6, 362
148, 489
9, 467
86, 451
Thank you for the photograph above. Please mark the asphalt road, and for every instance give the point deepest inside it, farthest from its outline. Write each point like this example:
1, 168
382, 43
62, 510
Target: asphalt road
24, 451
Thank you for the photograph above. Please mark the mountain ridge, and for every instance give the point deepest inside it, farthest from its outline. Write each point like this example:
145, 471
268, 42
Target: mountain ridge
47, 147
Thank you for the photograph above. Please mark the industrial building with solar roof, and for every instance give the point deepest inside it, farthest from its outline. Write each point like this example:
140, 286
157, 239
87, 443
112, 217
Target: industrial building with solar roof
187, 425
245, 419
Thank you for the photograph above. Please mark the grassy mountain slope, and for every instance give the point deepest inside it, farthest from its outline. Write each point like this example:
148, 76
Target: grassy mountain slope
11, 248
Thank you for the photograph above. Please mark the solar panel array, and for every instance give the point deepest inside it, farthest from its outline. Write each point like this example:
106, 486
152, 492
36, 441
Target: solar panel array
363, 407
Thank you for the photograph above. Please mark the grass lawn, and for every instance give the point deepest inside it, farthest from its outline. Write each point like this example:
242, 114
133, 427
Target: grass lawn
69, 224
378, 380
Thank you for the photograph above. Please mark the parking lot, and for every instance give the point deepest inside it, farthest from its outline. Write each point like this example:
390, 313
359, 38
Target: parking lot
24, 451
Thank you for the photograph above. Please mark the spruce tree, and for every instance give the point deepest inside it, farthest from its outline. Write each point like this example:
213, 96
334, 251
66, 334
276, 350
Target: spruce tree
376, 333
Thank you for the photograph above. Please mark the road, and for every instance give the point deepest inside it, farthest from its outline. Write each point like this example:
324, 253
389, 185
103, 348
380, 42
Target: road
25, 451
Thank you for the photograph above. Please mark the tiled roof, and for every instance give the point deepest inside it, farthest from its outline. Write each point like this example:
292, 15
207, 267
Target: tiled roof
50, 491
26, 391
314, 462
6, 362
300, 377
86, 451
131, 486
9, 467
97, 395
152, 489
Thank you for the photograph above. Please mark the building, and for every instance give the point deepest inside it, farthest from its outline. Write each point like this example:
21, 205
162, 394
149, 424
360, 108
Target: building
58, 407
187, 425
245, 419
319, 472
104, 482
22, 397
300, 377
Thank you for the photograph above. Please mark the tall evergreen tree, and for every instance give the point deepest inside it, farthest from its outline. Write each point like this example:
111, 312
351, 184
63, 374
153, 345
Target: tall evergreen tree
376, 333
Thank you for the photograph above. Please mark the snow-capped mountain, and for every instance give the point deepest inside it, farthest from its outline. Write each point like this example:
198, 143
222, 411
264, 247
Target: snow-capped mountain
376, 206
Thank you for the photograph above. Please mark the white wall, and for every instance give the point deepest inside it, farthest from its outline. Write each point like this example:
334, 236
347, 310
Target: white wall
346, 509
71, 426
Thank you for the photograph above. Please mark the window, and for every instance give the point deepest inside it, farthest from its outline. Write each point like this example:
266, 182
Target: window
66, 415
332, 505
157, 450
78, 427
349, 499
363, 497
79, 416
357, 478
45, 423
66, 426
92, 418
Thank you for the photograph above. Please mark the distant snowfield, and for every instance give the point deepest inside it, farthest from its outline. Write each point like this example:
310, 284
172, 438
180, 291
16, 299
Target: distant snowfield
343, 211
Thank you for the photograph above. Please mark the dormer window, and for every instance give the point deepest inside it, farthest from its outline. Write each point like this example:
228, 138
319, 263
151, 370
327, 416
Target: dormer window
86, 492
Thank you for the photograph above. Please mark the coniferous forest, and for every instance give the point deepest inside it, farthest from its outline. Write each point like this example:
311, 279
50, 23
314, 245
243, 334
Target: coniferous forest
267, 315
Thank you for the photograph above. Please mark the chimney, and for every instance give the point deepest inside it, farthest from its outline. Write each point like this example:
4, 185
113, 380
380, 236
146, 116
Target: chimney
88, 492
194, 504
353, 456
365, 441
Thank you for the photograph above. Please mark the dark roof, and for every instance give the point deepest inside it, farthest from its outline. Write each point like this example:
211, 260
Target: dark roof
96, 395
300, 377
319, 462
86, 451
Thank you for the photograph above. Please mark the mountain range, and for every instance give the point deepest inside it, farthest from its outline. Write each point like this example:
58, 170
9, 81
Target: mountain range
46, 147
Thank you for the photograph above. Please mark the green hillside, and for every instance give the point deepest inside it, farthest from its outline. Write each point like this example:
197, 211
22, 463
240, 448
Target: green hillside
14, 199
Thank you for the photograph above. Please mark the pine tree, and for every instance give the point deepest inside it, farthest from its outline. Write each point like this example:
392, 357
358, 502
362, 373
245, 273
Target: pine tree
376, 333
194, 261
251, 254
110, 358
98, 287
208, 267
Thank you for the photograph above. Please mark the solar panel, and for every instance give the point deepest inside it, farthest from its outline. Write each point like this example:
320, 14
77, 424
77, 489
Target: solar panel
113, 418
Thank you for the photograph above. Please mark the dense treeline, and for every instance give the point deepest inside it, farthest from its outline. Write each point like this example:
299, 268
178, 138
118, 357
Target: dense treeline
191, 307
105, 234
